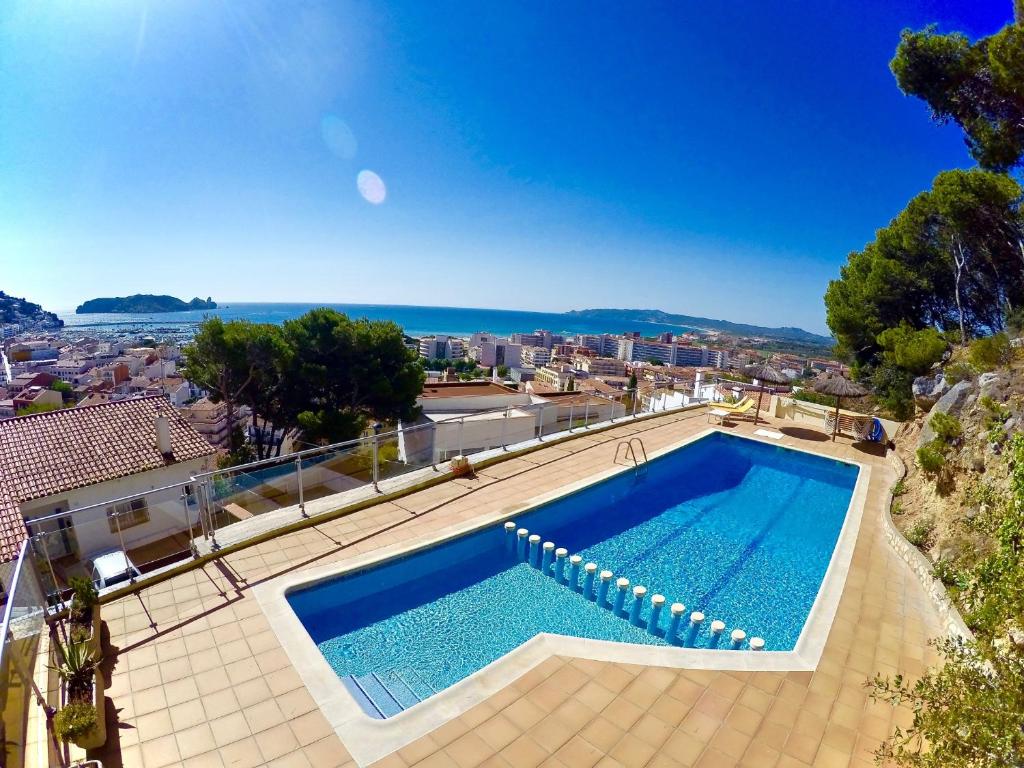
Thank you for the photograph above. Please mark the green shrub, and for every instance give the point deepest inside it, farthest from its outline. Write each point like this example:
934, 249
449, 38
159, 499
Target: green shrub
946, 572
990, 352
958, 372
911, 350
900, 487
921, 531
896, 509
75, 721
947, 427
930, 459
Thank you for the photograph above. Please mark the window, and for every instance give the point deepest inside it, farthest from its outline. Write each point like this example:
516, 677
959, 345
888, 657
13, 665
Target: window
127, 514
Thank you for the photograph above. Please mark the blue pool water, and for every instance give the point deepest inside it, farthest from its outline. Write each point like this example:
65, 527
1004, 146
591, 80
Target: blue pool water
737, 529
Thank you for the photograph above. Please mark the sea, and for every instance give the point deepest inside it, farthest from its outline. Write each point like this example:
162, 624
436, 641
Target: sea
415, 321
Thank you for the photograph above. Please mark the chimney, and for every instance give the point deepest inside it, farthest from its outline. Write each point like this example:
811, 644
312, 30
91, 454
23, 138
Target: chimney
163, 435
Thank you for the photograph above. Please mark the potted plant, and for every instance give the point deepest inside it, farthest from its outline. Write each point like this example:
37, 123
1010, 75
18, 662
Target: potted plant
84, 614
81, 719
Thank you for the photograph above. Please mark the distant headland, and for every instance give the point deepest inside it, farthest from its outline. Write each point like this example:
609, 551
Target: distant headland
143, 303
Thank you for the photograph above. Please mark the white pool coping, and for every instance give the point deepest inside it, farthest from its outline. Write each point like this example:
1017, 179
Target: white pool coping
368, 739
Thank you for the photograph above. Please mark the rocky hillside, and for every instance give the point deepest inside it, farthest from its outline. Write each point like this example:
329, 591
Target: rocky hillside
26, 314
956, 453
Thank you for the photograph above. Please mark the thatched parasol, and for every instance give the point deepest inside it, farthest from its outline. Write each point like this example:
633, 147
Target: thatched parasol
763, 372
839, 387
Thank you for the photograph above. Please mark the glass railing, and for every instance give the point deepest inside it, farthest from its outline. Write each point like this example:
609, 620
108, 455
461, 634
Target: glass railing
23, 627
166, 526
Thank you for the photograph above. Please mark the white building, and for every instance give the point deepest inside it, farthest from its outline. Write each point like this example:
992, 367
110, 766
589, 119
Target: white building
534, 356
465, 417
442, 347
76, 457
499, 352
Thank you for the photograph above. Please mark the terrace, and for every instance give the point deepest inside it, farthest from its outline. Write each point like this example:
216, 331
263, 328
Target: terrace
198, 676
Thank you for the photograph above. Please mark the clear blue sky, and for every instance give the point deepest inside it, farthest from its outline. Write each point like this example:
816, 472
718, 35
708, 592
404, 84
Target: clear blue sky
711, 158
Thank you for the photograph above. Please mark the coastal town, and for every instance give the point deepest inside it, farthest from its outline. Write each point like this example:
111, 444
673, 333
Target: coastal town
45, 368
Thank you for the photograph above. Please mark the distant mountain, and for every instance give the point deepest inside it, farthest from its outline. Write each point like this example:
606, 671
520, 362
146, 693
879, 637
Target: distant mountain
785, 333
26, 314
143, 304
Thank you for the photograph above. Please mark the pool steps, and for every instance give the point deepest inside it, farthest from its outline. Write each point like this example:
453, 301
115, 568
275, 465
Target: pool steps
551, 561
385, 694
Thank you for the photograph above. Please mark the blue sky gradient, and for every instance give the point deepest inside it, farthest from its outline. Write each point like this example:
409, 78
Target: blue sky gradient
715, 159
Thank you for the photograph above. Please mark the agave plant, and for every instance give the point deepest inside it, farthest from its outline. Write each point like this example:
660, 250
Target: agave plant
77, 659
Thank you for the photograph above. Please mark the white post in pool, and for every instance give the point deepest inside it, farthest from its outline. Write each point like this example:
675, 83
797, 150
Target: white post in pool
635, 610
657, 603
696, 619
737, 636
510, 536
588, 580
717, 628
672, 633
757, 643
535, 550
602, 590
548, 556
521, 550
560, 555
620, 596
574, 571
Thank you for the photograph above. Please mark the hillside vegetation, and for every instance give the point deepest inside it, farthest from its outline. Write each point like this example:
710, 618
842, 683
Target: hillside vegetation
962, 504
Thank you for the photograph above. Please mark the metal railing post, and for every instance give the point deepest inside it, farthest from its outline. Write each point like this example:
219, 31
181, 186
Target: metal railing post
376, 465
120, 537
635, 393
504, 421
214, 546
462, 424
298, 479
188, 518
572, 405
586, 413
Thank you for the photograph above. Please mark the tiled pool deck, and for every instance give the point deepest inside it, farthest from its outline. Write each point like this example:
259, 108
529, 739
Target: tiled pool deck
200, 679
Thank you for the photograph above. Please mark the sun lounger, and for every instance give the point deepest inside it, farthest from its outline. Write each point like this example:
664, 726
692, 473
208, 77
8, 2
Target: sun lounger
724, 413
742, 405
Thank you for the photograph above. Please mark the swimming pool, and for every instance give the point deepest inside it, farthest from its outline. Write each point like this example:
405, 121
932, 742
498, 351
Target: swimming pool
737, 529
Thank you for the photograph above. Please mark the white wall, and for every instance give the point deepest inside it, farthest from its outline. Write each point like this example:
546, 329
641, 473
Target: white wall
482, 432
472, 403
91, 529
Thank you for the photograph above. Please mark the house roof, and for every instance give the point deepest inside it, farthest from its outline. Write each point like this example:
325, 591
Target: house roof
465, 389
55, 452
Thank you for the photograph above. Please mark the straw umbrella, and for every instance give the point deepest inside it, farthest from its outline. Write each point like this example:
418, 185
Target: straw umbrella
839, 387
763, 372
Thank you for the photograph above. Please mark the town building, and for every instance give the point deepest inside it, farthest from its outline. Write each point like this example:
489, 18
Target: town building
210, 420
51, 463
535, 356
442, 347
600, 366
500, 351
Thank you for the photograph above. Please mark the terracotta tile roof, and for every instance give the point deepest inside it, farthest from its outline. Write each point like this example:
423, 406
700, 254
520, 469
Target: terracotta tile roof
58, 451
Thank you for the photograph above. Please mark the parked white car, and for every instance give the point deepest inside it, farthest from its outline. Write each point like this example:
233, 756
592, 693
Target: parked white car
111, 568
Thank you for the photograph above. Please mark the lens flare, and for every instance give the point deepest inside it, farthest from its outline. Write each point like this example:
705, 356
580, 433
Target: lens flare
338, 137
371, 187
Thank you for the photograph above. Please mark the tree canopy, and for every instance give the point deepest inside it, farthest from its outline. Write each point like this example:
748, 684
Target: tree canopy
321, 373
950, 260
979, 86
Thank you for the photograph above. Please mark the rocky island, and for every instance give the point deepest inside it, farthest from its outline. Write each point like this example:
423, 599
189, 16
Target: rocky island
143, 303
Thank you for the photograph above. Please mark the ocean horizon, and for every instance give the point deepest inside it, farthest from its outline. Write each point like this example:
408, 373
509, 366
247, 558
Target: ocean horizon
414, 320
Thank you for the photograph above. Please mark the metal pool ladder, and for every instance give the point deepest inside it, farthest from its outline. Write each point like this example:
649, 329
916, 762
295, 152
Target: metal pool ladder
630, 452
